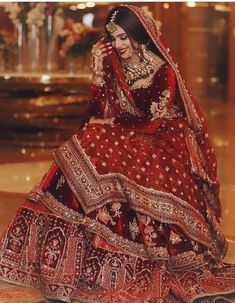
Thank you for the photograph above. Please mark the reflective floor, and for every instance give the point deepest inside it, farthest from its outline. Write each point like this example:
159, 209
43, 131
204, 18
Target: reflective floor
21, 168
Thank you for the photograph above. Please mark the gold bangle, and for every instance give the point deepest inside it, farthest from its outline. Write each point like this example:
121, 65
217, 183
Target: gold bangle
98, 80
98, 72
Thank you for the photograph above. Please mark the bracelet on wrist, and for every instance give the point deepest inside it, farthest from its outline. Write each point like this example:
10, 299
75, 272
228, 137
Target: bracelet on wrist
98, 72
98, 80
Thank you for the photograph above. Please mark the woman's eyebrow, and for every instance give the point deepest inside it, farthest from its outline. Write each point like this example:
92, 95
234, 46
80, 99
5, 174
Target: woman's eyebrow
119, 35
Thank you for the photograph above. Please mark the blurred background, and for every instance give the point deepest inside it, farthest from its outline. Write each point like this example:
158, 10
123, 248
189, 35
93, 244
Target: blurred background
45, 77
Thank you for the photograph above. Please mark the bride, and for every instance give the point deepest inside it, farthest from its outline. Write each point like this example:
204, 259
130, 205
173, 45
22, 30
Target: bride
129, 210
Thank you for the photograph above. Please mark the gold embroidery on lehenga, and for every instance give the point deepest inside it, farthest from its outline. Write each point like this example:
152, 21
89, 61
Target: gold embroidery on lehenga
150, 235
134, 228
181, 261
196, 158
116, 209
195, 245
158, 108
174, 238
60, 182
104, 216
185, 261
125, 104
98, 228
93, 226
94, 191
173, 112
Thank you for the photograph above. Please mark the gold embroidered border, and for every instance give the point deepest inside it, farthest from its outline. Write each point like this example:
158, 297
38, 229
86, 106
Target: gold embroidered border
196, 156
125, 104
94, 191
95, 227
180, 262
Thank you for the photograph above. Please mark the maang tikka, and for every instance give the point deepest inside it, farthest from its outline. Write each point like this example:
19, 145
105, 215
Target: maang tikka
112, 26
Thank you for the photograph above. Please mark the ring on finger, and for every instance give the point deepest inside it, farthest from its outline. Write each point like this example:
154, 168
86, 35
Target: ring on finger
98, 52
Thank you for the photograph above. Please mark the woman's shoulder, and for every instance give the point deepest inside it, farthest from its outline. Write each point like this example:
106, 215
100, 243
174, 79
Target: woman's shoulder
162, 72
161, 65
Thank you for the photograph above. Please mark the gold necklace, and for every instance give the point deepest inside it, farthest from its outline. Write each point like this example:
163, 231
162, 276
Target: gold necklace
141, 70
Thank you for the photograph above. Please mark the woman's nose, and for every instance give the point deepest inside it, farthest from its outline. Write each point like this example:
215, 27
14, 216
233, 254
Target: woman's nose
117, 43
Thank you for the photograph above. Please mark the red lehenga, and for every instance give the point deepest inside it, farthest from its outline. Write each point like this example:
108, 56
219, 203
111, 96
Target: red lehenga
129, 212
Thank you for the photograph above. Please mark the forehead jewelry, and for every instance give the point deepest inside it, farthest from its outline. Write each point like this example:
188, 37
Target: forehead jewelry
111, 26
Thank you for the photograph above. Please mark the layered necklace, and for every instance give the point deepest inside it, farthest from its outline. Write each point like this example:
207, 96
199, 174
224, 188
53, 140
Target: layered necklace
141, 70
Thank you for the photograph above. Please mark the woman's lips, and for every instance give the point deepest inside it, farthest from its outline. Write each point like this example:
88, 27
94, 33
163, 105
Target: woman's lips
122, 51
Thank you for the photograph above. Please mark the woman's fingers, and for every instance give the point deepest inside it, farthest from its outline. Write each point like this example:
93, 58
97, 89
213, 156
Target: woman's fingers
105, 47
107, 50
108, 53
101, 40
101, 45
102, 52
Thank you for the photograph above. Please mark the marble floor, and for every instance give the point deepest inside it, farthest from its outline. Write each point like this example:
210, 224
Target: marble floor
21, 168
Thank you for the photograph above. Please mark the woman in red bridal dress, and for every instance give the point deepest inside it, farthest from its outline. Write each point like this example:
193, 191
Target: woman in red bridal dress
129, 211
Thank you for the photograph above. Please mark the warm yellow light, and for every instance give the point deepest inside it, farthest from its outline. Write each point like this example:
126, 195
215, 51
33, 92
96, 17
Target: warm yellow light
220, 142
213, 79
166, 5
45, 78
90, 4
191, 4
23, 151
222, 8
199, 79
73, 7
81, 6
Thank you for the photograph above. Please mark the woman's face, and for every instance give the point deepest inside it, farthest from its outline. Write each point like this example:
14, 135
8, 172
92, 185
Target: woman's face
122, 43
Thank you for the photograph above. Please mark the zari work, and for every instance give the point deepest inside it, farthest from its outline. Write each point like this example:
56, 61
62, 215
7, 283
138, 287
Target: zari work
128, 212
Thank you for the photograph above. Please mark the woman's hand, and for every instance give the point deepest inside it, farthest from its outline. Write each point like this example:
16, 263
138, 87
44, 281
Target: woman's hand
101, 121
99, 51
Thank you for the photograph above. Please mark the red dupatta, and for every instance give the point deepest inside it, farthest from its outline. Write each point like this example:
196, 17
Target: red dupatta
115, 100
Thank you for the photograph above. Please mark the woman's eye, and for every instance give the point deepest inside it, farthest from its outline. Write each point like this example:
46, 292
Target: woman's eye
123, 38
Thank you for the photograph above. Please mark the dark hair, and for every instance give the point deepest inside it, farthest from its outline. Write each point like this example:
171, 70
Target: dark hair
128, 21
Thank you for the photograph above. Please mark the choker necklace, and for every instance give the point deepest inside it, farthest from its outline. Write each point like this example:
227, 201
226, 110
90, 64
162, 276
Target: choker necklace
141, 70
